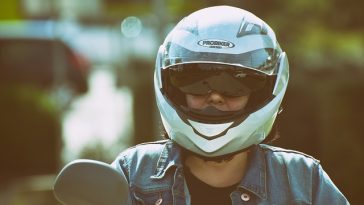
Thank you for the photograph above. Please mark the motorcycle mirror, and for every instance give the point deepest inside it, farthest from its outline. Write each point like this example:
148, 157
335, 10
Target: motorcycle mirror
90, 182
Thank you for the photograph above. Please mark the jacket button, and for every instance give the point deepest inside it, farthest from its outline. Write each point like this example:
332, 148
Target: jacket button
159, 201
245, 197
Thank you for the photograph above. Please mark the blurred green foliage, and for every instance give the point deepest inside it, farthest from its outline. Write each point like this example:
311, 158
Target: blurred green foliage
30, 132
10, 9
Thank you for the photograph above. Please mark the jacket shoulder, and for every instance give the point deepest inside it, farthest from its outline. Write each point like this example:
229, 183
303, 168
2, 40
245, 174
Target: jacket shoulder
144, 154
147, 149
288, 156
303, 176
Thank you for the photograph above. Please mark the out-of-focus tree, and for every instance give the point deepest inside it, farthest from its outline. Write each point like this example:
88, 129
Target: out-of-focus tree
30, 133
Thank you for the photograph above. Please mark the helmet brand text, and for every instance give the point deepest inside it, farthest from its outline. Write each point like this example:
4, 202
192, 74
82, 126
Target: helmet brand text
215, 43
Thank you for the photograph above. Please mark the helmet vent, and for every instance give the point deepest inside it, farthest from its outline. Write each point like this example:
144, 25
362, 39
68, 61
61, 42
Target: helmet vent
249, 28
188, 25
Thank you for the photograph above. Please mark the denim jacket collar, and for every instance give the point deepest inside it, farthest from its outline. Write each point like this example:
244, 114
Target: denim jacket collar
254, 180
169, 157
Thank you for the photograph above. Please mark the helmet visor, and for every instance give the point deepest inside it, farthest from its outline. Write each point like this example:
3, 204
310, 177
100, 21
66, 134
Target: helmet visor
228, 80
264, 60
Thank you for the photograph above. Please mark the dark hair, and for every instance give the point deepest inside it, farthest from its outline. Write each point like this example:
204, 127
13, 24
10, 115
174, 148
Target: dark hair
273, 134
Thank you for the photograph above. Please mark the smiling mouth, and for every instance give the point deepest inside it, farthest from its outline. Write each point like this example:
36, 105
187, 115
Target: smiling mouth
211, 111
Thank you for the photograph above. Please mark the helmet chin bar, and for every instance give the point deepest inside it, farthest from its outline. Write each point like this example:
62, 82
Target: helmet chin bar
210, 131
213, 119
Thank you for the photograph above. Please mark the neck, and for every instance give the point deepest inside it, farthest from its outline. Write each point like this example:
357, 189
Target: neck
218, 174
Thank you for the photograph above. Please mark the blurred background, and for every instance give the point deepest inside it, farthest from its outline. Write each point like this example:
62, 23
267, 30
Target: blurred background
76, 82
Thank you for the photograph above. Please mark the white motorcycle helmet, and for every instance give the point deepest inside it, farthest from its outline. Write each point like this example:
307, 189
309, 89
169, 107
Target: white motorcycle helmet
230, 51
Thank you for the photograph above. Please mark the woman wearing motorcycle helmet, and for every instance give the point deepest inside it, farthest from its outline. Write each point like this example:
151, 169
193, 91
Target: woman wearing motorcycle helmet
220, 77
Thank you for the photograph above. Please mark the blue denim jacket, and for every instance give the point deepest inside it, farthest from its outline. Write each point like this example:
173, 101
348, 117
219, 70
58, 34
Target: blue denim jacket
274, 176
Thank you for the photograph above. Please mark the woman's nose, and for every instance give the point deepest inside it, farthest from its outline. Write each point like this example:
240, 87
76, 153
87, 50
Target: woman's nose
215, 98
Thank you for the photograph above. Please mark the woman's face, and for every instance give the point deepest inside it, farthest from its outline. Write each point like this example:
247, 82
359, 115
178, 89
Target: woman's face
217, 100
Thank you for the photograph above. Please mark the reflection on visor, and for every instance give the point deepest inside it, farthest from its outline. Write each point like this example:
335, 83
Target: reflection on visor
228, 80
